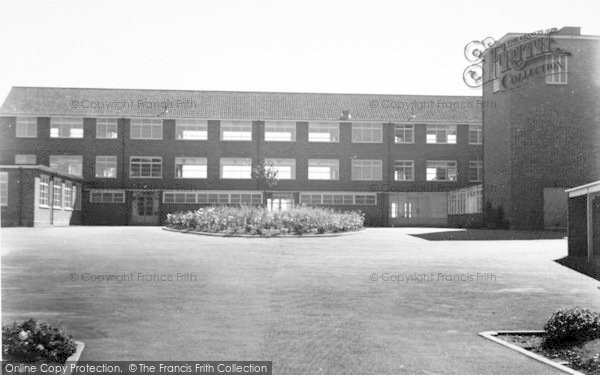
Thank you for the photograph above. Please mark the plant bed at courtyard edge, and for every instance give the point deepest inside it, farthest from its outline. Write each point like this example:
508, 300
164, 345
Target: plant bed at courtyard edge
258, 221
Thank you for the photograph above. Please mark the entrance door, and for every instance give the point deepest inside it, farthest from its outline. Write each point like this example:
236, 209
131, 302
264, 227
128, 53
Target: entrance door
144, 208
280, 201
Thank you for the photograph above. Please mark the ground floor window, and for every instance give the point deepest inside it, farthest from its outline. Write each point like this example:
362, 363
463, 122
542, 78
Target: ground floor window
44, 199
57, 193
3, 188
466, 201
68, 196
335, 198
107, 196
212, 197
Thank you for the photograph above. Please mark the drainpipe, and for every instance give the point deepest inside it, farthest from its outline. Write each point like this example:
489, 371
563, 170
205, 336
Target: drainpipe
20, 209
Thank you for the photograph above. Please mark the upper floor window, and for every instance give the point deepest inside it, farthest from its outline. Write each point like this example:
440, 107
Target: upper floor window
441, 170
557, 70
191, 130
323, 169
280, 131
476, 171
404, 133
106, 166
366, 170
366, 133
146, 128
145, 167
67, 164
286, 168
106, 128
475, 135
236, 130
404, 170
26, 127
445, 134
236, 168
323, 132
66, 127
25, 159
3, 188
190, 167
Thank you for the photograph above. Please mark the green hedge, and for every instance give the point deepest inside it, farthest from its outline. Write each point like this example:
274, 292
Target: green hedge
259, 221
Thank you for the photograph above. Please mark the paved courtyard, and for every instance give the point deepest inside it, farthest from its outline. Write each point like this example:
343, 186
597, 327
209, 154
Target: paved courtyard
379, 302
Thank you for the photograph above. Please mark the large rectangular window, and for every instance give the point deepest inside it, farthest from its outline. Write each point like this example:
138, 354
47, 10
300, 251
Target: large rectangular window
366, 170
66, 127
145, 167
186, 167
236, 168
286, 168
25, 159
323, 132
323, 169
476, 171
44, 199
106, 166
146, 128
191, 130
558, 72
213, 197
404, 170
68, 197
236, 130
466, 201
26, 127
366, 133
57, 193
67, 164
404, 133
280, 131
338, 198
3, 188
106, 128
107, 196
444, 134
441, 170
475, 135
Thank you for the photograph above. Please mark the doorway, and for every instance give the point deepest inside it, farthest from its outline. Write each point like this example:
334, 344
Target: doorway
280, 201
144, 208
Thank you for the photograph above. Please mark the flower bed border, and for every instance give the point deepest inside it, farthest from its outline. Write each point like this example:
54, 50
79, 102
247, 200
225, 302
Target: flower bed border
74, 358
493, 335
304, 235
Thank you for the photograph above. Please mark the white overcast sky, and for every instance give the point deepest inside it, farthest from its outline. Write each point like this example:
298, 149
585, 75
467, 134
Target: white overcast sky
387, 47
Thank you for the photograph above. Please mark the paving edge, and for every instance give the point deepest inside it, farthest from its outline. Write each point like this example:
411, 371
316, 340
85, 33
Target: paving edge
492, 335
74, 358
311, 235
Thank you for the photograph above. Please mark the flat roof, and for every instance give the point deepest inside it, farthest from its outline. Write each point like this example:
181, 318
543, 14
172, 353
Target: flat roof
592, 187
43, 168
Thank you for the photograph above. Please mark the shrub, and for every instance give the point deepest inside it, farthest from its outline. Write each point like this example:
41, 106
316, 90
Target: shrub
33, 340
568, 326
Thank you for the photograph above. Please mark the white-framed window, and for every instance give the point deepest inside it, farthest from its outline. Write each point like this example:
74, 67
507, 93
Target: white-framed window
475, 171
66, 127
191, 130
280, 131
67, 164
67, 198
3, 188
441, 170
338, 198
367, 133
146, 128
323, 169
236, 168
25, 159
57, 193
236, 130
106, 166
324, 132
26, 127
495, 75
106, 128
466, 201
475, 135
404, 170
107, 196
286, 168
212, 197
190, 167
145, 167
404, 133
559, 70
444, 134
366, 170
44, 186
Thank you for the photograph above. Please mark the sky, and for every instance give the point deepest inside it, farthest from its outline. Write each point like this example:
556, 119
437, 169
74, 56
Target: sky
381, 47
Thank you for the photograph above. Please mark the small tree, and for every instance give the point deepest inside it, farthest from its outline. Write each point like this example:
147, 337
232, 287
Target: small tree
266, 177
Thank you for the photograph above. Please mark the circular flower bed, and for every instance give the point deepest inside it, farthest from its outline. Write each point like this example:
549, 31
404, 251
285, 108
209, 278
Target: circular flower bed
33, 340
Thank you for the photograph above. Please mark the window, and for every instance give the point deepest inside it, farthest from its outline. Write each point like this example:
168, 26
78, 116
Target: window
67, 164
57, 193
323, 132
191, 130
495, 75
146, 129
106, 166
66, 127
558, 69
445, 134
208, 197
338, 198
280, 131
404, 170
106, 128
44, 199
236, 168
107, 196
441, 170
466, 201
190, 167
475, 135
475, 171
3, 188
68, 201
404, 134
366, 133
25, 159
323, 169
145, 167
366, 170
26, 127
236, 130
286, 168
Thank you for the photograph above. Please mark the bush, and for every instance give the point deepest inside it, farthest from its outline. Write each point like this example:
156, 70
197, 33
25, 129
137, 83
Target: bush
575, 325
33, 340
259, 221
